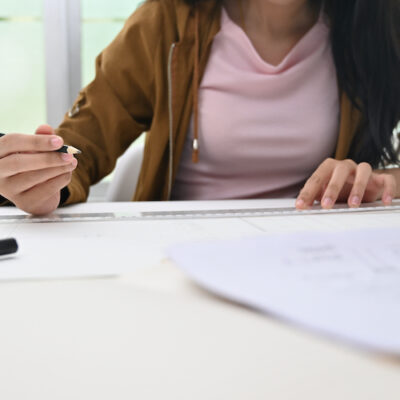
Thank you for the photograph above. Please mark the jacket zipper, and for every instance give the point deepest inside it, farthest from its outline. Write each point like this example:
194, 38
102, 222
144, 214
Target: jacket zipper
171, 121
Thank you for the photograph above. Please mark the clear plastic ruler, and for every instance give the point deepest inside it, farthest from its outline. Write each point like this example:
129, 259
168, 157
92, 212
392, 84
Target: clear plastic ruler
192, 214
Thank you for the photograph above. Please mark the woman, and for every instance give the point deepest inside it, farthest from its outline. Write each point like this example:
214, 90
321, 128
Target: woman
239, 99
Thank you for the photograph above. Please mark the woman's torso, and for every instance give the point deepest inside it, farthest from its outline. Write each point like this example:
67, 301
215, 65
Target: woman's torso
263, 129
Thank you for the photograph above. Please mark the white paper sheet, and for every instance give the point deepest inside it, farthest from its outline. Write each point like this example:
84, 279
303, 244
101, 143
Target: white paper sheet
65, 249
344, 284
92, 249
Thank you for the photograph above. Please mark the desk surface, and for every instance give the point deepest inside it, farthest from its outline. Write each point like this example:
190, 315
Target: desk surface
152, 334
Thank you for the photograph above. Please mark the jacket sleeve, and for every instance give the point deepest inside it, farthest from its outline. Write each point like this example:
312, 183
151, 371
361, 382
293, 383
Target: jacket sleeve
117, 107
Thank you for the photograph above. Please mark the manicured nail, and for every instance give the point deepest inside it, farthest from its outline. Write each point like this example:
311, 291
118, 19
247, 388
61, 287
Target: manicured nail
300, 203
355, 201
56, 142
67, 157
387, 199
327, 202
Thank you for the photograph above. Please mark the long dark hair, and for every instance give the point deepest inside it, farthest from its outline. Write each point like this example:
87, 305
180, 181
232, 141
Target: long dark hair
365, 36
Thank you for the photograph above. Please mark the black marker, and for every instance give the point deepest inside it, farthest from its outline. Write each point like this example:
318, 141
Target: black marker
8, 246
63, 149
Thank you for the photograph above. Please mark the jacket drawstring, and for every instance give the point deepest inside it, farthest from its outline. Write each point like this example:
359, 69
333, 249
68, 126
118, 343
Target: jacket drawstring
195, 149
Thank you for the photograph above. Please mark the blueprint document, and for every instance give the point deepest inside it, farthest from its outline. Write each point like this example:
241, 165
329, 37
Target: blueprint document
344, 284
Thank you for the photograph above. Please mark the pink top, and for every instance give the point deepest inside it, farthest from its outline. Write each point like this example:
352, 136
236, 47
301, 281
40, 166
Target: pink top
263, 129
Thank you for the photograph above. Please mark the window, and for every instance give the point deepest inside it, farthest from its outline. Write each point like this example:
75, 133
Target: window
22, 79
75, 33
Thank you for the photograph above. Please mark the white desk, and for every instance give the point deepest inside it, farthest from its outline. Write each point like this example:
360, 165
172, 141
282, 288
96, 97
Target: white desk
151, 334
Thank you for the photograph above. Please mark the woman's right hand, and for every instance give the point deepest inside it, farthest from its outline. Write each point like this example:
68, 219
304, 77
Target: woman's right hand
31, 173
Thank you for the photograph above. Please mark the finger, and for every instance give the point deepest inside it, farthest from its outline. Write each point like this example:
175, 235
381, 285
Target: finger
339, 177
18, 163
389, 189
44, 130
315, 184
33, 198
25, 181
19, 143
374, 189
46, 207
361, 180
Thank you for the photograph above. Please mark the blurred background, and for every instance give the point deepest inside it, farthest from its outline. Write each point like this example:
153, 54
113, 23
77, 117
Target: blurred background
51, 43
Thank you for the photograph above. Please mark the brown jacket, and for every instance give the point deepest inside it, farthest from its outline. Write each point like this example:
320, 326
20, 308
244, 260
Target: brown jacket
145, 83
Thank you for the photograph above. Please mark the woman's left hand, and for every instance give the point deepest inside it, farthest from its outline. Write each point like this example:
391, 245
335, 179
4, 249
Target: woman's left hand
346, 181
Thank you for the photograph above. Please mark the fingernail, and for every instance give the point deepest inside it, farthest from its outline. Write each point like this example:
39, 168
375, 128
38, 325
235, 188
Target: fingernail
387, 199
66, 157
74, 162
327, 202
300, 203
56, 142
355, 201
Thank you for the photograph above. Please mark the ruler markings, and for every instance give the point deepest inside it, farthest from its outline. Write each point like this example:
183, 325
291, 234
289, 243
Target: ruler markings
188, 214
